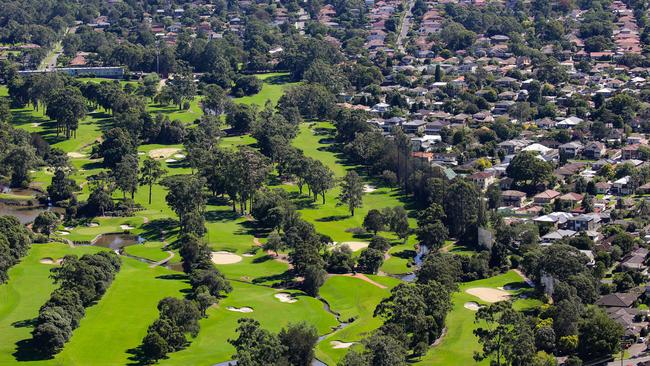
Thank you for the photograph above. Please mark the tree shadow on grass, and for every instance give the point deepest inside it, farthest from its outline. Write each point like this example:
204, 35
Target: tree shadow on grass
138, 357
281, 280
332, 218
278, 79
262, 259
405, 254
153, 229
173, 277
25, 323
93, 165
221, 215
27, 351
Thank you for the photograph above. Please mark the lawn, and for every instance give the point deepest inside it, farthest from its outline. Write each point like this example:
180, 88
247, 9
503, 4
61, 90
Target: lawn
274, 85
354, 299
27, 289
211, 345
458, 345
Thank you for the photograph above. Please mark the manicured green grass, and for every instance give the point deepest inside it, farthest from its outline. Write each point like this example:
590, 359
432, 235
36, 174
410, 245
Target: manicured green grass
106, 225
458, 345
274, 85
29, 286
400, 257
260, 269
211, 345
353, 299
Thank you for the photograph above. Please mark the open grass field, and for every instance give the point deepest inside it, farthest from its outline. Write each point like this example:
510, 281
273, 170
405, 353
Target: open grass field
211, 345
459, 344
273, 87
355, 300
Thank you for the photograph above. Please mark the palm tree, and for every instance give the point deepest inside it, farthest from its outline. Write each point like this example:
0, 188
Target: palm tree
150, 172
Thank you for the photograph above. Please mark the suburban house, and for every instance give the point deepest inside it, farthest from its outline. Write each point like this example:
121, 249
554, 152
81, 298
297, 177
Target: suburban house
482, 179
548, 196
594, 150
571, 149
586, 222
513, 198
622, 186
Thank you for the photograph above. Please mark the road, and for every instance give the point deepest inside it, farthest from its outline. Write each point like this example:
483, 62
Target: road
406, 25
637, 354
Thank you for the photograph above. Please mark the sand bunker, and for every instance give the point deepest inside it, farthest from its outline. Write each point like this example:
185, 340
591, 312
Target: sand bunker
62, 233
48, 260
285, 297
76, 155
126, 227
355, 245
171, 161
248, 255
244, 309
93, 224
488, 294
473, 306
225, 258
368, 188
339, 345
163, 153
179, 156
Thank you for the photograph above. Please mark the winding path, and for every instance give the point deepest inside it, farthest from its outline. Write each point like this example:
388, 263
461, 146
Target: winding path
363, 277
164, 261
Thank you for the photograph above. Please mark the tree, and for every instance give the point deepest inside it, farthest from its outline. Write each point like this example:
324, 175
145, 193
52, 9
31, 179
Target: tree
150, 173
431, 232
62, 187
19, 161
45, 222
526, 169
314, 278
256, 346
340, 260
319, 178
374, 221
599, 335
299, 340
384, 350
126, 174
370, 260
181, 87
241, 117
67, 106
195, 254
461, 207
246, 85
274, 243
505, 338
214, 101
351, 191
154, 347
185, 194
116, 144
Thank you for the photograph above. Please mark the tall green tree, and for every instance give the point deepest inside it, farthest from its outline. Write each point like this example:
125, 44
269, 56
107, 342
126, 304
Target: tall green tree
150, 173
351, 191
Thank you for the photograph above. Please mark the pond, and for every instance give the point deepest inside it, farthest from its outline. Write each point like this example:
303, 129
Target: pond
117, 241
24, 214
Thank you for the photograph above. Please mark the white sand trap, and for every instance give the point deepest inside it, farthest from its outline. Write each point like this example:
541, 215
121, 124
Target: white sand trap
488, 294
355, 245
340, 345
285, 297
225, 258
248, 255
163, 153
179, 156
368, 188
63, 233
472, 306
244, 309
68, 228
140, 152
48, 260
171, 161
93, 224
35, 124
126, 227
76, 155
